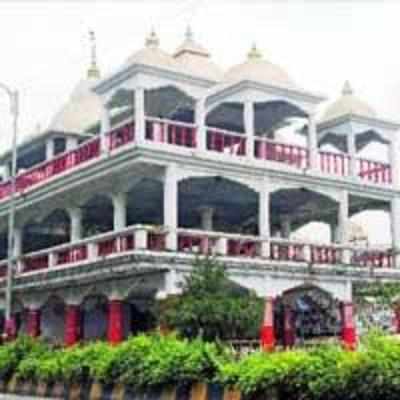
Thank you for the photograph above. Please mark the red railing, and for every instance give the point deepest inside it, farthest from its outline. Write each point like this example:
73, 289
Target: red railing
195, 244
71, 255
326, 254
373, 258
226, 142
334, 163
281, 152
115, 245
121, 136
171, 132
35, 263
5, 189
244, 248
156, 241
287, 251
374, 171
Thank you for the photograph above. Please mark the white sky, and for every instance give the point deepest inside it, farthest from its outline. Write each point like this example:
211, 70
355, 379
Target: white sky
45, 51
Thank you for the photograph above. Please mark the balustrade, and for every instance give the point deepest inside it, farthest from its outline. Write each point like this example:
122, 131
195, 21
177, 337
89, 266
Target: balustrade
324, 254
121, 136
372, 258
334, 163
287, 251
226, 142
374, 171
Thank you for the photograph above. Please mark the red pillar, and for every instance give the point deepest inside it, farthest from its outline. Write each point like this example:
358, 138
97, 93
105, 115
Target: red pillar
115, 331
349, 335
289, 333
10, 328
267, 329
33, 323
72, 324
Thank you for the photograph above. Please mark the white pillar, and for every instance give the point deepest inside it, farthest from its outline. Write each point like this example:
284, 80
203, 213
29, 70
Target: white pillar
105, 126
49, 148
312, 143
249, 127
140, 124
395, 161
200, 121
343, 218
119, 204
207, 214
395, 227
286, 227
18, 237
171, 205
75, 215
351, 150
264, 228
71, 143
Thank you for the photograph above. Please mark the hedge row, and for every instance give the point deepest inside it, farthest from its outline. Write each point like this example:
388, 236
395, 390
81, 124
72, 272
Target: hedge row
325, 373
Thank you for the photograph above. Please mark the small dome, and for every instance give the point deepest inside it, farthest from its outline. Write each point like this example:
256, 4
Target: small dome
195, 59
260, 70
82, 110
348, 104
153, 56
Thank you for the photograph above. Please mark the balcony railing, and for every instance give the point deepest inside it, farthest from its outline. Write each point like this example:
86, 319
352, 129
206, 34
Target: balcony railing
199, 242
184, 135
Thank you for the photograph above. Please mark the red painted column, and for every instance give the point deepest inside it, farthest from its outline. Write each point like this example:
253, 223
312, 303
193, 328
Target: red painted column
10, 328
33, 323
289, 333
268, 329
115, 331
349, 335
72, 324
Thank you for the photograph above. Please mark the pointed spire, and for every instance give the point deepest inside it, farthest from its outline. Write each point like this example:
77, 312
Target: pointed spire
254, 53
152, 40
93, 71
347, 89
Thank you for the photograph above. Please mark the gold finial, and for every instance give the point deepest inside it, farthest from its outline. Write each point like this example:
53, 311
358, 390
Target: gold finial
254, 53
347, 90
189, 34
152, 40
93, 71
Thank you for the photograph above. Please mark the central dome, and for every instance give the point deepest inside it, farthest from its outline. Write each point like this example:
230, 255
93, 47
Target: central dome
257, 69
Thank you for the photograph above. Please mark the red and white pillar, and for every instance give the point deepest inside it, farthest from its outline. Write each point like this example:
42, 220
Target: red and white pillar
72, 324
289, 333
349, 334
268, 329
33, 323
115, 330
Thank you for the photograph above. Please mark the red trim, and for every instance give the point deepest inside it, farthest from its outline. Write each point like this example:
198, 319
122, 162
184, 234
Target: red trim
72, 325
267, 334
115, 331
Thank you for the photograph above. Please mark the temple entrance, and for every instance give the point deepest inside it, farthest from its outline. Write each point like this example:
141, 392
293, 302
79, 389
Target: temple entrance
307, 314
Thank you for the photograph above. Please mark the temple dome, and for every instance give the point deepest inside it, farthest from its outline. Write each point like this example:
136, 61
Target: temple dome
82, 110
348, 104
151, 55
196, 60
257, 69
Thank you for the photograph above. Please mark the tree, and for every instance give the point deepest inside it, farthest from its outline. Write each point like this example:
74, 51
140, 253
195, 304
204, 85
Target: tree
211, 306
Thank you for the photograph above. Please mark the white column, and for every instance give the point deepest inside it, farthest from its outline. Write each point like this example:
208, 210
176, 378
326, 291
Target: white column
171, 205
18, 237
105, 126
264, 229
343, 218
140, 124
312, 142
75, 215
249, 127
395, 227
286, 227
71, 143
200, 121
49, 148
207, 214
395, 161
119, 204
351, 150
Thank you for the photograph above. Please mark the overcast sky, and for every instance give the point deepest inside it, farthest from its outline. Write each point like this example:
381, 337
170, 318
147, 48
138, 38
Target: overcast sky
45, 50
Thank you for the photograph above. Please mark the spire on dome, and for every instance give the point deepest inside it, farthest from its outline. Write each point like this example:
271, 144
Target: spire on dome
93, 71
189, 34
254, 53
347, 89
152, 40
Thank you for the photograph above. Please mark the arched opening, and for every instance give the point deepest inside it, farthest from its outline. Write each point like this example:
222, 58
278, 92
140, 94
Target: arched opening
53, 320
53, 230
307, 313
94, 317
217, 204
145, 203
138, 316
97, 215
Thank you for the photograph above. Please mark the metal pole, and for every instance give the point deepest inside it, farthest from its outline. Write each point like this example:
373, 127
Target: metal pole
9, 323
